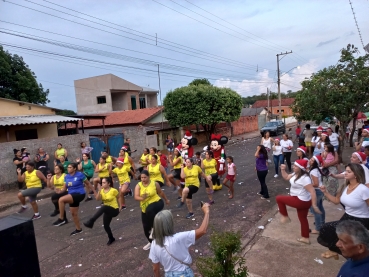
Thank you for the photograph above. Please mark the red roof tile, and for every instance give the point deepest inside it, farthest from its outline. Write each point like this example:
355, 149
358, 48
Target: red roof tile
274, 103
129, 117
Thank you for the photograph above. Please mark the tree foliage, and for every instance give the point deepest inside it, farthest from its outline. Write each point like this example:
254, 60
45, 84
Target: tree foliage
204, 105
18, 82
250, 100
197, 82
339, 91
225, 262
65, 112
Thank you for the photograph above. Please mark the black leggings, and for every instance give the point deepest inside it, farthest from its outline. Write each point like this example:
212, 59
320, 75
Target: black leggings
149, 215
55, 199
109, 213
287, 156
261, 176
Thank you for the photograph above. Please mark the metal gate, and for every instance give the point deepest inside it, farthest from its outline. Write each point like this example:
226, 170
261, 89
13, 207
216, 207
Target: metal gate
98, 146
115, 143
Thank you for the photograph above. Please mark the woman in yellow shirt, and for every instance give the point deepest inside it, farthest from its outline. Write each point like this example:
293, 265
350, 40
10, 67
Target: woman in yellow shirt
102, 168
152, 152
143, 160
57, 183
32, 178
60, 151
122, 171
148, 192
109, 197
176, 161
123, 153
209, 164
191, 174
157, 172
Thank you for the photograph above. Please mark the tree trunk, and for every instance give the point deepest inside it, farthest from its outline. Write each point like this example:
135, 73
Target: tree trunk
342, 134
353, 132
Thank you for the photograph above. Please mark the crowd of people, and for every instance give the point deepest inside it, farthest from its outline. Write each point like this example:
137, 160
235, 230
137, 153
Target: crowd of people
313, 177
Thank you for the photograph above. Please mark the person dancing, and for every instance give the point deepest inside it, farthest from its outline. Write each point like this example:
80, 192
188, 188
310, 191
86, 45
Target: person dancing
110, 209
57, 183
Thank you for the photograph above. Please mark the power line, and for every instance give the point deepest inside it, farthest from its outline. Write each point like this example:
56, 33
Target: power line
357, 25
168, 43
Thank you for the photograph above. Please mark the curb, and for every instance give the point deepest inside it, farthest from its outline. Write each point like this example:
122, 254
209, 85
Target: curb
15, 203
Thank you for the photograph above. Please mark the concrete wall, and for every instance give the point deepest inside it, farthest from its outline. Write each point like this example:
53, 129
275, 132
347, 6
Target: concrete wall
152, 100
43, 131
119, 101
11, 108
157, 119
244, 125
8, 169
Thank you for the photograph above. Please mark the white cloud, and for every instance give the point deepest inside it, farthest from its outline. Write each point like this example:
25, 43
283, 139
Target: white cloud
264, 80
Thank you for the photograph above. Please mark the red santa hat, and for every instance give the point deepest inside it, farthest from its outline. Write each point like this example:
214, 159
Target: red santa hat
319, 129
188, 135
324, 134
361, 156
366, 130
301, 164
318, 159
302, 149
215, 137
124, 148
120, 160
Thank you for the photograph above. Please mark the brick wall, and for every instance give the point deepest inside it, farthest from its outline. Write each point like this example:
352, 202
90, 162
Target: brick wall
8, 169
244, 125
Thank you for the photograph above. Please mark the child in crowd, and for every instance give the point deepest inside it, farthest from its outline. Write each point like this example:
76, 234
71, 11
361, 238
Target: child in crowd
163, 161
328, 156
25, 156
231, 176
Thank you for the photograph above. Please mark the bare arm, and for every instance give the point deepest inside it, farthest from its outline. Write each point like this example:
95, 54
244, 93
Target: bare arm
41, 176
205, 222
285, 175
65, 153
161, 193
132, 164
235, 172
50, 181
336, 159
20, 177
137, 194
311, 190
315, 181
183, 175
164, 174
257, 153
47, 158
334, 199
97, 193
17, 162
97, 170
156, 269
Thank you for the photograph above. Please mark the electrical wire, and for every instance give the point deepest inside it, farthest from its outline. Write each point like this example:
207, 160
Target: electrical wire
357, 25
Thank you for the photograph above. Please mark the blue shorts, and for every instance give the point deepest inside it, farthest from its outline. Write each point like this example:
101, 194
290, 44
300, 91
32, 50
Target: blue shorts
187, 273
335, 148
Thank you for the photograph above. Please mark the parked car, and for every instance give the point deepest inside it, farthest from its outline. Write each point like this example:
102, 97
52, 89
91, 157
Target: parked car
274, 128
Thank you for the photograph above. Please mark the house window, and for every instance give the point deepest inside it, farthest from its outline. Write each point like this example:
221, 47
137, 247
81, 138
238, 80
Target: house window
133, 102
101, 99
26, 134
142, 103
281, 110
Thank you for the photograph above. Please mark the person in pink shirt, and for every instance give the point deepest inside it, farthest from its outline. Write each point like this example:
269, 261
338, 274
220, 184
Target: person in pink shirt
231, 176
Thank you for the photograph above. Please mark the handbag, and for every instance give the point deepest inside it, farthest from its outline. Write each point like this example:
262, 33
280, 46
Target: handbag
325, 171
176, 258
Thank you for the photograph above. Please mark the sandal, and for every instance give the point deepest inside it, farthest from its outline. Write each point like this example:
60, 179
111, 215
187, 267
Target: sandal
303, 241
230, 197
315, 232
330, 254
211, 191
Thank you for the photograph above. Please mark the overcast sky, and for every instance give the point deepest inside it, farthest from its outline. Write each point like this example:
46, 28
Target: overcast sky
232, 43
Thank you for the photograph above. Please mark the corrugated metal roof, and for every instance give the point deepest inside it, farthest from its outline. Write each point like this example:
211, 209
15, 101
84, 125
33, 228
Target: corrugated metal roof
34, 119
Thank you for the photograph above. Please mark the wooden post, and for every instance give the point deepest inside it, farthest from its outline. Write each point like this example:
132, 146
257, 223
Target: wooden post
83, 130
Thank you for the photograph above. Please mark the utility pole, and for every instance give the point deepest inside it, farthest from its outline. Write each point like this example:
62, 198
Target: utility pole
161, 102
268, 105
279, 83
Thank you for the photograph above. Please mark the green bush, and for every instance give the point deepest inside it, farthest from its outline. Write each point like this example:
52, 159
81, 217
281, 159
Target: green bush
224, 263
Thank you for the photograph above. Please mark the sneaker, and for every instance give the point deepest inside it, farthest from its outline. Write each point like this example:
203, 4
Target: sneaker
34, 217
59, 222
276, 176
180, 204
21, 210
110, 241
123, 208
89, 198
54, 213
258, 193
211, 202
189, 215
88, 224
179, 198
147, 246
264, 197
130, 193
75, 232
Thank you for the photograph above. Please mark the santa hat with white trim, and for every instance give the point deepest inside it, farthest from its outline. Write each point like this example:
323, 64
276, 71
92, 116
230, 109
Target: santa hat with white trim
318, 159
366, 130
361, 156
301, 164
188, 135
302, 149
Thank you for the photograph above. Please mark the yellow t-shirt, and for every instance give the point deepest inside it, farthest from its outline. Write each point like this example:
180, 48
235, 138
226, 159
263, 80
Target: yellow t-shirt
105, 171
122, 174
59, 182
109, 160
154, 173
149, 157
210, 166
192, 175
126, 160
60, 152
32, 180
109, 198
143, 159
151, 195
178, 165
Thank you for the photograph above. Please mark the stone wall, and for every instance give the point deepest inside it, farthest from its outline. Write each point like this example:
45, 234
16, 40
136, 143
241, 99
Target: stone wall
8, 169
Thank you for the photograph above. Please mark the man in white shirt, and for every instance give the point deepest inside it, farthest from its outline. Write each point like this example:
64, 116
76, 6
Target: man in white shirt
334, 138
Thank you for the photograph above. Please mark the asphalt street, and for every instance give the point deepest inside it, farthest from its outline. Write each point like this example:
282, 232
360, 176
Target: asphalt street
87, 254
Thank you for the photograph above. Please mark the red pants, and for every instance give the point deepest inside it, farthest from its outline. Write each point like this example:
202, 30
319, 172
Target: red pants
302, 210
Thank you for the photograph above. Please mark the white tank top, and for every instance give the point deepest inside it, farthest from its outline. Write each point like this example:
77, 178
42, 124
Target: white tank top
267, 143
231, 169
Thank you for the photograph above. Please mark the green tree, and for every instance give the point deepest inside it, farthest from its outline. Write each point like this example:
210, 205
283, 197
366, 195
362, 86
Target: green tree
66, 112
18, 82
339, 91
197, 82
204, 105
